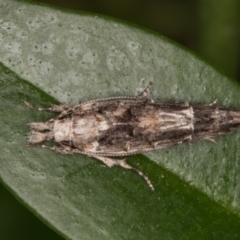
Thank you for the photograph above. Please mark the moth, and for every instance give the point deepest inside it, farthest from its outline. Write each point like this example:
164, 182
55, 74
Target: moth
110, 129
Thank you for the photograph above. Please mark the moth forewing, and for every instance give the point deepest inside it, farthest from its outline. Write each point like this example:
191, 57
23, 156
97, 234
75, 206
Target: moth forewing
122, 126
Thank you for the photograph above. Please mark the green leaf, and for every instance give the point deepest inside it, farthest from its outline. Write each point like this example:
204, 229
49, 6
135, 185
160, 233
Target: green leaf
53, 56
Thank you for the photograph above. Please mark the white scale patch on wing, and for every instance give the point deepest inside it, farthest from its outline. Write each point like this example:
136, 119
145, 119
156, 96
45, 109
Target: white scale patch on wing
90, 126
163, 121
62, 130
181, 120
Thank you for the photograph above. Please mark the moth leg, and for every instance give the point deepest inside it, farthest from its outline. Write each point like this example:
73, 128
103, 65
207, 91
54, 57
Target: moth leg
59, 149
145, 92
211, 140
54, 108
213, 102
110, 162
122, 163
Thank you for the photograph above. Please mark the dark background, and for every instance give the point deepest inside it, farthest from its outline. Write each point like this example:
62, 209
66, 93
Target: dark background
210, 29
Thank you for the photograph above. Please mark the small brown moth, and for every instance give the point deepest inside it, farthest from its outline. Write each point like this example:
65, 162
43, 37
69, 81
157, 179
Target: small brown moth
122, 126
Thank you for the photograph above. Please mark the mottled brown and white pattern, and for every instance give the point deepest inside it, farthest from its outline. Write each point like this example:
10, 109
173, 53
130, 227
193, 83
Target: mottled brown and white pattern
122, 126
